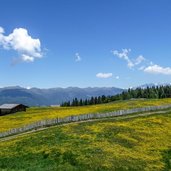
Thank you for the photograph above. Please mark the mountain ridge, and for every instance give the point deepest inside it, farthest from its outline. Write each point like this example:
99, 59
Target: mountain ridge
51, 96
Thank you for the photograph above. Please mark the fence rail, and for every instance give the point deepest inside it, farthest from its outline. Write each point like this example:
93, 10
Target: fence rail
81, 117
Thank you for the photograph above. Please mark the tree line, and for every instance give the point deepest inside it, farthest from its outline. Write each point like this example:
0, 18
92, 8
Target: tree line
155, 92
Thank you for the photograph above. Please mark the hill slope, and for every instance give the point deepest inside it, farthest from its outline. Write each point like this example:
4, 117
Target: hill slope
132, 144
32, 115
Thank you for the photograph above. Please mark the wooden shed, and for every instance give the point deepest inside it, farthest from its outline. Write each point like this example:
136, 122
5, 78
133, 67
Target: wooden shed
12, 108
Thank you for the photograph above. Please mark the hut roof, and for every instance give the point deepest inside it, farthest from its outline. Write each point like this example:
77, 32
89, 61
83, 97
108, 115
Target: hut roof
9, 106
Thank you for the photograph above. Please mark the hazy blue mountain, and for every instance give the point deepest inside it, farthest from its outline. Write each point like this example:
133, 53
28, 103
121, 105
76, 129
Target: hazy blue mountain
52, 96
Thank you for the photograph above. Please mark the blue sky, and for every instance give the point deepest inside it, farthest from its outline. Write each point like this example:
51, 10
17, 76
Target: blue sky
61, 43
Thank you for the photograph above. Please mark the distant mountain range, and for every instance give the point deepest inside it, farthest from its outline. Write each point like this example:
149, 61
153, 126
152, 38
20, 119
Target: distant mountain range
55, 96
52, 96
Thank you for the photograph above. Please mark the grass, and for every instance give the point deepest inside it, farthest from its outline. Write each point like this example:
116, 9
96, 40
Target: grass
41, 113
137, 144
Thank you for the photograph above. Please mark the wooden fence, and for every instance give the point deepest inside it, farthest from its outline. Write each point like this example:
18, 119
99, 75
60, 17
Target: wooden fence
81, 117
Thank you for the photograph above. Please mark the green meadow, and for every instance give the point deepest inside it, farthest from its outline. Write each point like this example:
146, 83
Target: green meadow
134, 144
35, 114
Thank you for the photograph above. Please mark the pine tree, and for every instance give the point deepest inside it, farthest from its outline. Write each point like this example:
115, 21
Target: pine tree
154, 92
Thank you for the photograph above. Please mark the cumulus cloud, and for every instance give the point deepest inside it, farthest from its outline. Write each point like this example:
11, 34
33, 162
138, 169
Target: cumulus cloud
104, 75
124, 54
1, 30
27, 58
156, 69
19, 40
77, 57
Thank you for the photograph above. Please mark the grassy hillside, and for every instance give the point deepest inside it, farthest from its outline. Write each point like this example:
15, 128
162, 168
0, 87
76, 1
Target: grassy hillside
141, 144
37, 114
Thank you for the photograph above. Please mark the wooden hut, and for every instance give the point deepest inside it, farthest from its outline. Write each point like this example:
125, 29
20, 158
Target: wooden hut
12, 108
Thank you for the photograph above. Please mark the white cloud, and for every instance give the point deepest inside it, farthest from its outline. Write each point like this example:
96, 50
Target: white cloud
27, 58
142, 63
141, 68
124, 54
156, 69
19, 40
77, 57
151, 63
1, 30
117, 77
139, 60
28, 87
104, 75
